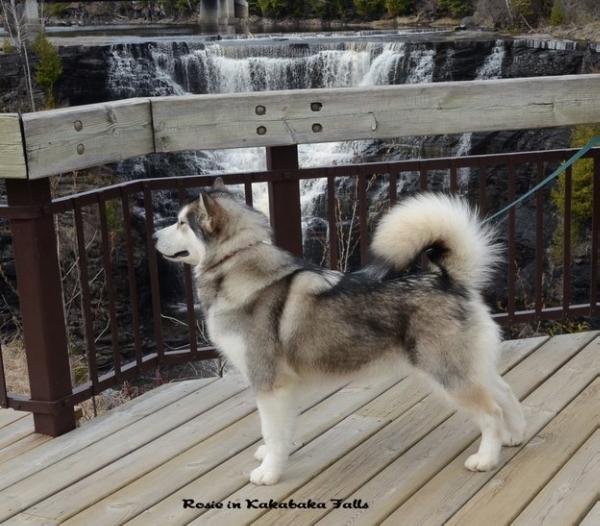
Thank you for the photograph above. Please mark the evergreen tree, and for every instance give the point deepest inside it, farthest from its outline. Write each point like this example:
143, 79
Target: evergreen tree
49, 68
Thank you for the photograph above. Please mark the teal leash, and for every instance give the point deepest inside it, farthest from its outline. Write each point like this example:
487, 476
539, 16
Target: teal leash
578, 155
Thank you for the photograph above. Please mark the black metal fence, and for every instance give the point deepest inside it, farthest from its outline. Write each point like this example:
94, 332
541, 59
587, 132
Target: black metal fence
104, 291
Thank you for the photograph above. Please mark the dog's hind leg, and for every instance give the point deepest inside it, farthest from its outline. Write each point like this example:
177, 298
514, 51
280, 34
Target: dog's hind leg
277, 412
512, 412
480, 402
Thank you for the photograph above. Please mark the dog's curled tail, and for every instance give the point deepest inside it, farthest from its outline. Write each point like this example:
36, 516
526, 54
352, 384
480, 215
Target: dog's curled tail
460, 243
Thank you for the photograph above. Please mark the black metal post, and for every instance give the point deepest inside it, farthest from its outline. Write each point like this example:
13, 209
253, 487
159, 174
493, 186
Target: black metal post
284, 199
40, 298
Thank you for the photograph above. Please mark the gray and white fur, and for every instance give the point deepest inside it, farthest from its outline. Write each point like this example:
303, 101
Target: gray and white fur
284, 323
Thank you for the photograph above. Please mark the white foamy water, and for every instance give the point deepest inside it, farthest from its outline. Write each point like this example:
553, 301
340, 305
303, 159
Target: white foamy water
181, 69
490, 69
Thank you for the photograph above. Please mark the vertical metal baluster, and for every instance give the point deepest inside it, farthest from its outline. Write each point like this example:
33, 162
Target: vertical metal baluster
423, 180
567, 241
332, 222
539, 242
189, 292
248, 193
453, 178
512, 264
363, 216
423, 186
393, 188
595, 235
3, 391
85, 299
483, 200
107, 264
131, 278
153, 268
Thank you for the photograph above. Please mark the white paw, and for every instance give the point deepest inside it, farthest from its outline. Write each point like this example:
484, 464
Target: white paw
263, 476
261, 452
479, 462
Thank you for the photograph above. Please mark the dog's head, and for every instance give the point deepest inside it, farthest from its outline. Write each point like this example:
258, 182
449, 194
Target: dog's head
215, 222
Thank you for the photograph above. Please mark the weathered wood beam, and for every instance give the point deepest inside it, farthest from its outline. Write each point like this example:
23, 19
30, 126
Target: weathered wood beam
12, 154
308, 116
82, 136
117, 130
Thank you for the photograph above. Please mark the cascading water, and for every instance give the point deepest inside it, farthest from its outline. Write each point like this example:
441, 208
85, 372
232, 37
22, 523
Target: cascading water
490, 69
174, 68
177, 68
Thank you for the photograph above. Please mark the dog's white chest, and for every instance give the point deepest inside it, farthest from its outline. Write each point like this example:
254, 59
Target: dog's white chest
230, 343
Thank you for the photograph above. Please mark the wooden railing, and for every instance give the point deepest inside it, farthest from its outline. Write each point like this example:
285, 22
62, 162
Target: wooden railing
67, 139
38, 145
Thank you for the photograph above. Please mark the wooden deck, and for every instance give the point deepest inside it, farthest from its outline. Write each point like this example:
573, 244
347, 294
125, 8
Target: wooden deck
388, 445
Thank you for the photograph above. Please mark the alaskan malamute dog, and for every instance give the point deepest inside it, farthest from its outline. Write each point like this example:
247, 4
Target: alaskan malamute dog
284, 323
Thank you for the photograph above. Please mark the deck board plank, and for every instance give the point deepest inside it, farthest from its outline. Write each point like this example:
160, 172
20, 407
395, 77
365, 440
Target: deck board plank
321, 412
166, 458
331, 479
592, 518
447, 491
23, 445
414, 466
516, 483
50, 480
387, 442
133, 411
8, 416
231, 478
232, 475
570, 492
16, 430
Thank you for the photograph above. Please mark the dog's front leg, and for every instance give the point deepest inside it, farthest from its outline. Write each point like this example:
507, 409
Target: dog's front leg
277, 412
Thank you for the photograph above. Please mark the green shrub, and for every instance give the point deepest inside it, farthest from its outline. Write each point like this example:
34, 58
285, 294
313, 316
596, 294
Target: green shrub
524, 7
49, 68
7, 46
320, 8
557, 16
398, 7
273, 8
532, 10
114, 218
581, 190
369, 8
457, 8
176, 7
326, 9
342, 9
253, 9
57, 9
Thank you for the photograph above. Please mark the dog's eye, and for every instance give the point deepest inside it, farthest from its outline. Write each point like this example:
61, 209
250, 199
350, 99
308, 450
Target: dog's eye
181, 223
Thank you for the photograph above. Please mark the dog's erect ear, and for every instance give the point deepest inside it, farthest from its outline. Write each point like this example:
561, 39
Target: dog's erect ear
210, 212
219, 184
206, 204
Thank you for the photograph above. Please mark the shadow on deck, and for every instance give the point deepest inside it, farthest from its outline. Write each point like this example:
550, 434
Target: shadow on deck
389, 446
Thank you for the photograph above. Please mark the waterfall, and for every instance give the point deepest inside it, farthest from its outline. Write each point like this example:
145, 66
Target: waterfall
384, 65
175, 68
490, 69
180, 68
